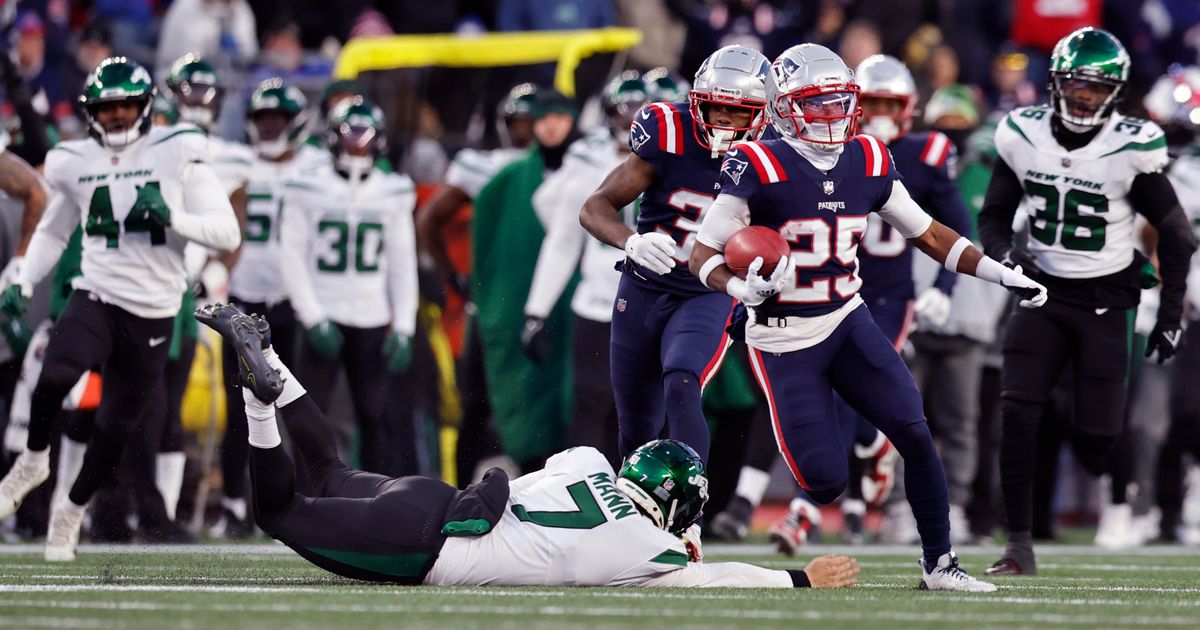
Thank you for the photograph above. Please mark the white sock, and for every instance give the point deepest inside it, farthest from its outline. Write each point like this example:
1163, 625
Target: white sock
70, 460
237, 506
260, 416
752, 484
292, 389
168, 471
41, 457
854, 506
69, 508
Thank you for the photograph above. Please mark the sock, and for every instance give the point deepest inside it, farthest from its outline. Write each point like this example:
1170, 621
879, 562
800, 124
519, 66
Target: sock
237, 506
752, 484
260, 419
70, 461
292, 389
168, 471
854, 506
41, 458
70, 508
802, 506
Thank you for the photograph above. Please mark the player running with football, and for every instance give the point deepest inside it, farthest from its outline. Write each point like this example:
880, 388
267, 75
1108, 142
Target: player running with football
1080, 170
574, 523
668, 329
811, 335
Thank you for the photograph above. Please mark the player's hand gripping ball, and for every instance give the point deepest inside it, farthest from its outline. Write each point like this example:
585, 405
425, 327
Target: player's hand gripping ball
754, 242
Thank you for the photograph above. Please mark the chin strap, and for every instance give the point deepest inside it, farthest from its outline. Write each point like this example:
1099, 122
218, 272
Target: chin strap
720, 140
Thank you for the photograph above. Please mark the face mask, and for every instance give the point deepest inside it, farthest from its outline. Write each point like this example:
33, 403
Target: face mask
200, 116
720, 140
356, 166
828, 132
882, 127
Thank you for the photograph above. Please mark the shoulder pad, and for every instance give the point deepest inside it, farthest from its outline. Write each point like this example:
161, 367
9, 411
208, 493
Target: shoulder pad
761, 157
666, 120
936, 149
878, 159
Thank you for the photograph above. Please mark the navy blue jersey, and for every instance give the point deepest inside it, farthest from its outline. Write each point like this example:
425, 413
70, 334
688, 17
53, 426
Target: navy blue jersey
822, 215
685, 182
886, 259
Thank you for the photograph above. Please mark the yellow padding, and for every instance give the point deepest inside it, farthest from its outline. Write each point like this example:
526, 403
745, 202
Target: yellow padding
205, 395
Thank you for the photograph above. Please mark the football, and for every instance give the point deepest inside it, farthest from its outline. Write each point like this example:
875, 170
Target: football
750, 243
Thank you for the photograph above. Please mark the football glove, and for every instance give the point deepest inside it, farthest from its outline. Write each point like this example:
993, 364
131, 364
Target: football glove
398, 352
755, 289
933, 307
150, 203
691, 542
1165, 339
326, 339
653, 251
1032, 294
9, 275
17, 334
15, 298
534, 340
1022, 258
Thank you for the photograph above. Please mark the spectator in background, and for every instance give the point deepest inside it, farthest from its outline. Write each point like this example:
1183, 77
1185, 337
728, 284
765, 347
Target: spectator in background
1010, 87
859, 41
40, 77
827, 26
554, 15
943, 69
754, 23
953, 111
222, 31
93, 46
132, 25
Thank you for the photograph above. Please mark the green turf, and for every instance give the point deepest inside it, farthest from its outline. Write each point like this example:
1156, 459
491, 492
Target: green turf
259, 587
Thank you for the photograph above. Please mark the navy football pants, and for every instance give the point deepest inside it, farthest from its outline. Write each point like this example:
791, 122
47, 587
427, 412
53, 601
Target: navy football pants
860, 364
665, 348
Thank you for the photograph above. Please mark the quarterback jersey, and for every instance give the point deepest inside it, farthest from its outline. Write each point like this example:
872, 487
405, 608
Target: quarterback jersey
472, 169
565, 525
684, 186
233, 162
257, 277
886, 259
1080, 219
559, 198
129, 260
349, 252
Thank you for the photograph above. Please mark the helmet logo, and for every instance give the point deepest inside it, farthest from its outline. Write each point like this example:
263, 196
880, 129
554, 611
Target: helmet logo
734, 168
784, 69
701, 482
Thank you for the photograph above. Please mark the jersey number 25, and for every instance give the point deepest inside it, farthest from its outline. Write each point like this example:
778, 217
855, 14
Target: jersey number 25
824, 242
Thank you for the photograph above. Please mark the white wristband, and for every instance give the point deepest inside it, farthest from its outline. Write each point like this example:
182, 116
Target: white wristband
736, 288
956, 251
707, 268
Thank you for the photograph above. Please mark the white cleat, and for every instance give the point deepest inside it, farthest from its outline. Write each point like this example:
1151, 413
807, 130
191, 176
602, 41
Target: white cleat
947, 576
63, 534
1116, 529
25, 475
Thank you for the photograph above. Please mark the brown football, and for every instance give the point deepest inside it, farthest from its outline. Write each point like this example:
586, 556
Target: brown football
750, 243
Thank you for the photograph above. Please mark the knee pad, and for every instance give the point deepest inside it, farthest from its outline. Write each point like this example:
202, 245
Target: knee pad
914, 442
827, 496
824, 475
1092, 451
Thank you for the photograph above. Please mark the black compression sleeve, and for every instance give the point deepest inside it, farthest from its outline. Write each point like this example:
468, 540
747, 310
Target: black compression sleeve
1004, 194
799, 579
1152, 195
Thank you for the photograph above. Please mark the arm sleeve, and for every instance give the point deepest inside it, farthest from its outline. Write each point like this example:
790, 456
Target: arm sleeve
724, 218
1000, 205
564, 242
1152, 195
902, 213
717, 575
208, 217
50, 238
402, 268
295, 237
948, 208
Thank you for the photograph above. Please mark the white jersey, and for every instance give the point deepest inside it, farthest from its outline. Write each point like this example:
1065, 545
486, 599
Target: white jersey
256, 277
349, 252
559, 198
1185, 177
472, 169
129, 260
1080, 219
231, 161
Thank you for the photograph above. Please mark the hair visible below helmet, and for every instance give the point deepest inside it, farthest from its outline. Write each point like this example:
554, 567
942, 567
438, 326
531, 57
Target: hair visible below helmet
355, 123
1088, 54
666, 480
118, 79
196, 90
812, 76
666, 85
274, 95
885, 77
734, 76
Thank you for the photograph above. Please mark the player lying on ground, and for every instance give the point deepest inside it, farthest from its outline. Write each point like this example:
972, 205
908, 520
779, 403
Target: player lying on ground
574, 523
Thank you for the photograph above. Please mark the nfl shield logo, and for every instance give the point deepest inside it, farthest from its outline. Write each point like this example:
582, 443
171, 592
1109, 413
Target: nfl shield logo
828, 186
621, 305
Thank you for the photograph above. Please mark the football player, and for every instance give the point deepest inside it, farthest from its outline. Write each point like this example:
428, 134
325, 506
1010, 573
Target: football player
142, 194
668, 329
347, 243
196, 92
576, 522
1080, 170
809, 331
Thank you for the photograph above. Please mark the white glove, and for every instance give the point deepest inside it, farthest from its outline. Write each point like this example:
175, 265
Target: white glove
933, 307
755, 289
1033, 294
653, 250
691, 542
9, 275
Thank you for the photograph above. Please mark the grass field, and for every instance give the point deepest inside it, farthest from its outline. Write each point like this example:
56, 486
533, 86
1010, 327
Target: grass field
266, 586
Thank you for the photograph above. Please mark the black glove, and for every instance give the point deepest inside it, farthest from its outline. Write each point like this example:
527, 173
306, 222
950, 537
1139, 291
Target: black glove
1022, 258
533, 339
1165, 338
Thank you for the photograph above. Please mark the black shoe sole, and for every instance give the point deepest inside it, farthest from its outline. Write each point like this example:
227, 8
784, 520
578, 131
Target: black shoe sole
242, 332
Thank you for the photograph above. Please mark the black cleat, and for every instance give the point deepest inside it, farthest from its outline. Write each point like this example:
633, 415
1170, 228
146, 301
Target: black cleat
245, 334
1006, 566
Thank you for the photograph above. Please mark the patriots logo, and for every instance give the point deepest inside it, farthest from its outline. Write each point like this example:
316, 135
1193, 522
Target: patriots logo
734, 168
783, 70
638, 134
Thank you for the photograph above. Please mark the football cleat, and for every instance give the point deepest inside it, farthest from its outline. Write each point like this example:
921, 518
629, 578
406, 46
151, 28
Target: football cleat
24, 476
1116, 529
246, 335
947, 576
879, 472
1007, 566
733, 523
62, 536
801, 525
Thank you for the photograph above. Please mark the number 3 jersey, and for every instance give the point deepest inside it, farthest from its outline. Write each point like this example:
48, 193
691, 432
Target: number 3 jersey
1080, 220
348, 252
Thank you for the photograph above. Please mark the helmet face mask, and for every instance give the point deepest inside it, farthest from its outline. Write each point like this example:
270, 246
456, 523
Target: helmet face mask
270, 97
667, 481
732, 77
1088, 71
356, 136
813, 97
118, 80
197, 91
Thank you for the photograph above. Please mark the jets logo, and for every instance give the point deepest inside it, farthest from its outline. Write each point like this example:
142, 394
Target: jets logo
638, 134
734, 168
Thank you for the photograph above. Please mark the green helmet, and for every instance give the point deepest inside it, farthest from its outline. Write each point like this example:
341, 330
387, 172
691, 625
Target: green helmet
519, 103
356, 134
196, 90
273, 95
625, 94
166, 109
349, 87
666, 480
666, 85
1087, 55
118, 79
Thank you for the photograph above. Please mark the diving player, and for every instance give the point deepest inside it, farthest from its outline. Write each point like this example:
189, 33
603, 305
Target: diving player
812, 335
668, 330
574, 523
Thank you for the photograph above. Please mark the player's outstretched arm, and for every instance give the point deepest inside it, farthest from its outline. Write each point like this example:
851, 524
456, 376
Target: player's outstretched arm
19, 181
600, 215
1000, 205
823, 572
208, 218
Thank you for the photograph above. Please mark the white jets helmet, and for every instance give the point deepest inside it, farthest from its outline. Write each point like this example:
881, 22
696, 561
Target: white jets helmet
734, 76
885, 77
812, 96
